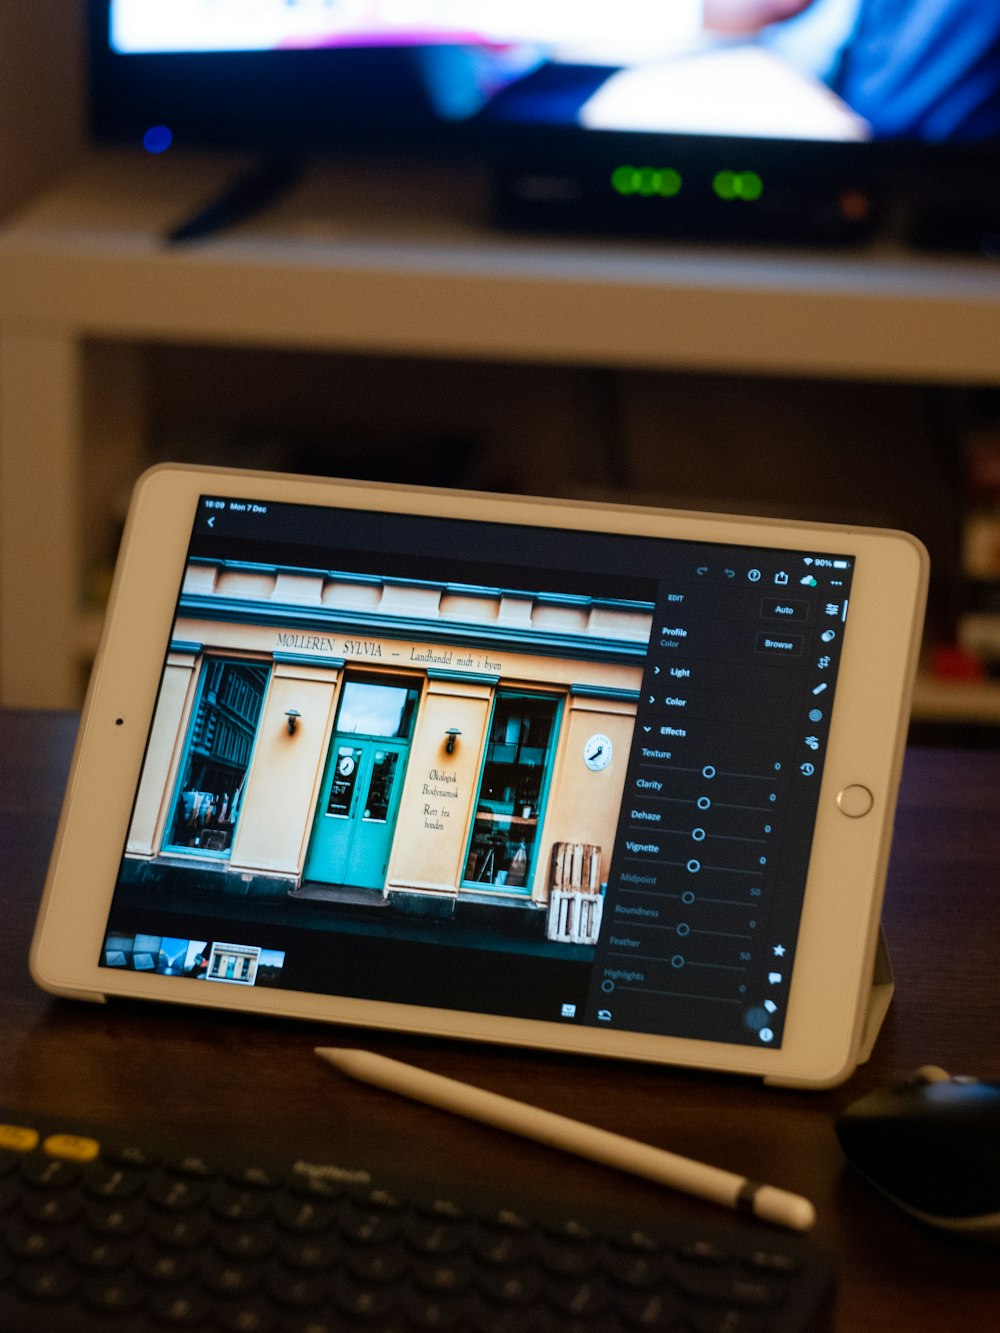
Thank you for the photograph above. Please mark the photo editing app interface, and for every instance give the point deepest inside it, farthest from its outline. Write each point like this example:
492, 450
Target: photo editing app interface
540, 773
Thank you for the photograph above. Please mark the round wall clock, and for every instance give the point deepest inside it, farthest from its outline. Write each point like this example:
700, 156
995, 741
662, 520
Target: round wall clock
597, 752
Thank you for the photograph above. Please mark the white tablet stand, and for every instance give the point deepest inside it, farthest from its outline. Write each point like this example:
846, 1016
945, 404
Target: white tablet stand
883, 985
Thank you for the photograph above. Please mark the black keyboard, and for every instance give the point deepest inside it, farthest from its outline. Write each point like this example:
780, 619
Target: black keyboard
106, 1233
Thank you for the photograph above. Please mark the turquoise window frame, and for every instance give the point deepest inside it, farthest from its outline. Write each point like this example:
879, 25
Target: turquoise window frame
186, 849
501, 694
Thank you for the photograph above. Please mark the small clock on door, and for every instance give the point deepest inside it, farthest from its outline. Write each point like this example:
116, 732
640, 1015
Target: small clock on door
597, 752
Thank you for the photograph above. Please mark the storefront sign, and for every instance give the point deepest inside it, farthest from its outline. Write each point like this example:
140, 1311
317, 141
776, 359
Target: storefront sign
440, 788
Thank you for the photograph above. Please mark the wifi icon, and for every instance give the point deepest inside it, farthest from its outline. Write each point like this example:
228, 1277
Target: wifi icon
807, 559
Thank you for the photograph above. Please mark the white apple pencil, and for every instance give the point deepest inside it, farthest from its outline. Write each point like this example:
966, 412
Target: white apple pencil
559, 1131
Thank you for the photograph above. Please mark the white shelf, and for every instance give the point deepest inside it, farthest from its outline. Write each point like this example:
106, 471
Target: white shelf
975, 702
400, 263
403, 262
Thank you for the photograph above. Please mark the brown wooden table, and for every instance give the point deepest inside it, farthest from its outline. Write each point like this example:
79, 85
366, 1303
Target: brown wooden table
201, 1072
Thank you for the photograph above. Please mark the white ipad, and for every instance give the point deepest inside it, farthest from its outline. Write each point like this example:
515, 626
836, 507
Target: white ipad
608, 780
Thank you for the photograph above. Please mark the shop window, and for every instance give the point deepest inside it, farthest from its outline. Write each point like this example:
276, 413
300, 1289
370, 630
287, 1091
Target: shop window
217, 758
512, 791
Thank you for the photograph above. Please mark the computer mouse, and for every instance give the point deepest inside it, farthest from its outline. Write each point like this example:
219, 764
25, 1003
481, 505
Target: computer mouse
932, 1145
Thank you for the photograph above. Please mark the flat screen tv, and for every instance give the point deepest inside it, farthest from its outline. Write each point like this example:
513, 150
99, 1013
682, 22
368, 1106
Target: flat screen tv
672, 116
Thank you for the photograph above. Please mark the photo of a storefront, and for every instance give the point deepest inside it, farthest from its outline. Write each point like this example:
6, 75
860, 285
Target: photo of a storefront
410, 747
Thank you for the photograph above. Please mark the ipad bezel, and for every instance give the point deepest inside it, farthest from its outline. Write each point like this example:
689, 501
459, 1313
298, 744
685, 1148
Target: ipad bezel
828, 1000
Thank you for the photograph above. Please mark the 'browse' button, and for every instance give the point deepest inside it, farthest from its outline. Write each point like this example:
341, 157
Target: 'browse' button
780, 608
788, 645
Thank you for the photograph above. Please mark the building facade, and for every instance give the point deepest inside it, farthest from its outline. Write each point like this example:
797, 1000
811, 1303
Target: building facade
334, 736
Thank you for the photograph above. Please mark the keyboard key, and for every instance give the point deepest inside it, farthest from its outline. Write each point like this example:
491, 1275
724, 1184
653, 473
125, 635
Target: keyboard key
116, 1219
164, 1267
108, 1181
637, 1271
176, 1195
512, 1286
304, 1216
430, 1236
247, 1243
369, 1227
52, 1209
132, 1155
179, 1309
379, 1266
191, 1165
97, 1254
299, 1290
49, 1173
229, 1279
47, 1282
235, 1204
772, 1261
313, 1252
363, 1303
181, 1231
243, 1317
445, 1276
500, 1248
26, 1240
658, 1311
72, 1147
118, 1295
583, 1299
14, 1140
423, 1310
567, 1260
730, 1286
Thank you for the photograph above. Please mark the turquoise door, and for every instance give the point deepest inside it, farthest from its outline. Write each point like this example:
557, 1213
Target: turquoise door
357, 812
362, 784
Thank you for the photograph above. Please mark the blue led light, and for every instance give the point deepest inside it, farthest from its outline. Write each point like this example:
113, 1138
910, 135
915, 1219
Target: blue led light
157, 139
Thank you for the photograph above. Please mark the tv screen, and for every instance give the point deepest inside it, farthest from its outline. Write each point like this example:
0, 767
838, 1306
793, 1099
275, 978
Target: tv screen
827, 93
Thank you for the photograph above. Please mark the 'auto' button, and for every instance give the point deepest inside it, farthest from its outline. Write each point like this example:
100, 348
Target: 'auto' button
783, 608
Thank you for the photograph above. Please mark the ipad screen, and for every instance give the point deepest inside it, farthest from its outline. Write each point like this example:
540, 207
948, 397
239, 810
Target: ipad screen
539, 773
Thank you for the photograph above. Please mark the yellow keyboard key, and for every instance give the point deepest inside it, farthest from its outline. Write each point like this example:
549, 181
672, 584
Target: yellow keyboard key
71, 1147
18, 1138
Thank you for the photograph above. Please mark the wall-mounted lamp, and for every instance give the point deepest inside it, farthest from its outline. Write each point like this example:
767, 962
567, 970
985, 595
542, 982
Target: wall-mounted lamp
453, 734
293, 716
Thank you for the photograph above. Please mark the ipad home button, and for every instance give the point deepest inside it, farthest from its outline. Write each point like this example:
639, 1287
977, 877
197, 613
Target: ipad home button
855, 801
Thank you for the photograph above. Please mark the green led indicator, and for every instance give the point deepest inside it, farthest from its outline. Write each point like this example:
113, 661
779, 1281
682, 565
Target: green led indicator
647, 182
724, 184
745, 185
